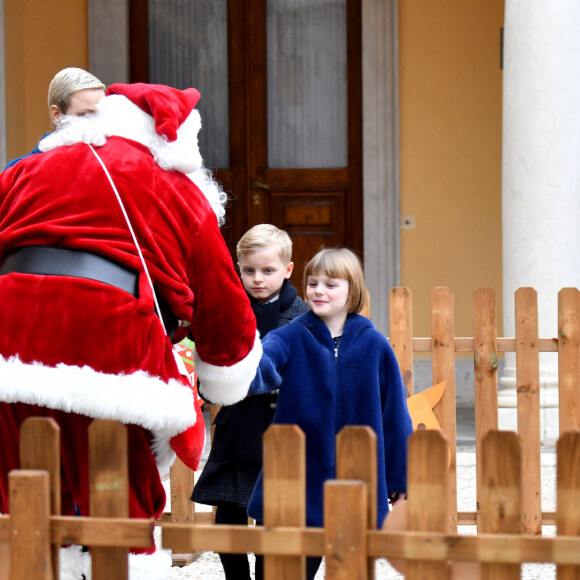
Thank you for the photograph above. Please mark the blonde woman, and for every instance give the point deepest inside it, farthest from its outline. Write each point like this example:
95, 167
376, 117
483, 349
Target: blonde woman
73, 92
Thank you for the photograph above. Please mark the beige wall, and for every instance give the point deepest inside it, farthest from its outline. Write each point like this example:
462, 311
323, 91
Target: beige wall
41, 38
450, 135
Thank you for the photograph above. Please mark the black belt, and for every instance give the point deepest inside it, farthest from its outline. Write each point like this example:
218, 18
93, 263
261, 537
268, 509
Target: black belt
50, 261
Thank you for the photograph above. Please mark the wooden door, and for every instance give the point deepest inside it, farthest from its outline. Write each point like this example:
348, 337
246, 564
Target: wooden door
281, 108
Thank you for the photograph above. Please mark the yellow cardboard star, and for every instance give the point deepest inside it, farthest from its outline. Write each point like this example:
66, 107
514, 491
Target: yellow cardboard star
422, 404
421, 408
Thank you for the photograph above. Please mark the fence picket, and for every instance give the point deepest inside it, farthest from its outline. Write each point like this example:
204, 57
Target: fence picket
345, 527
428, 503
401, 332
181, 479
568, 483
485, 372
569, 359
4, 551
356, 458
501, 500
443, 362
40, 449
30, 555
284, 493
109, 492
528, 400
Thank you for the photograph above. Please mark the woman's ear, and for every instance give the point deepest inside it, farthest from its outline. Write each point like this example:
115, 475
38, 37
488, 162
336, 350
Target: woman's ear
54, 113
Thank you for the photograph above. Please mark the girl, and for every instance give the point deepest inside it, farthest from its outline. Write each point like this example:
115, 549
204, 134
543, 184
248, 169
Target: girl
333, 369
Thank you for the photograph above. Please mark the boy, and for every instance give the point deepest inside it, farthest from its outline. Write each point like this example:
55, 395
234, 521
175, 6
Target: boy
265, 260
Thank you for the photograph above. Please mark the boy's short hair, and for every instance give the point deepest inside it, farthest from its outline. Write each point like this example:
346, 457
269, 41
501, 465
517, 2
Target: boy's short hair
69, 81
344, 264
265, 236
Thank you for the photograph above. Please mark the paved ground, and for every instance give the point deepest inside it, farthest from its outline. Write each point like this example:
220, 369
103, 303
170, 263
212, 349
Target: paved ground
208, 567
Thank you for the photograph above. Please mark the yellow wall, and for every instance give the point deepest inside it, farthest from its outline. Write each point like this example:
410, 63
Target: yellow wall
41, 38
450, 134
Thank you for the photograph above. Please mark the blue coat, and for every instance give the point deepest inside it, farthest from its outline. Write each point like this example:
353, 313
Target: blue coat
322, 394
33, 152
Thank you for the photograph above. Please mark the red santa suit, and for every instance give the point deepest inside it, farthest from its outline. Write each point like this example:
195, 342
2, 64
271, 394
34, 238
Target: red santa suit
77, 344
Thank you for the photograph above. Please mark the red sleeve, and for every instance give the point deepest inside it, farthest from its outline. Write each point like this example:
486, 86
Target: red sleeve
227, 348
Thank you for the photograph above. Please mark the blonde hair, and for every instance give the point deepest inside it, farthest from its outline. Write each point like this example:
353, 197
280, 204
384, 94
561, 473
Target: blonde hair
340, 263
69, 81
266, 236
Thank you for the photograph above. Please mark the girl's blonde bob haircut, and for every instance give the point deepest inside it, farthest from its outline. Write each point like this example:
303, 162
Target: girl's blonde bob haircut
340, 263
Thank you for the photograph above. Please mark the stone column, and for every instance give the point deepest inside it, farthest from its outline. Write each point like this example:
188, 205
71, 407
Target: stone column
381, 211
541, 178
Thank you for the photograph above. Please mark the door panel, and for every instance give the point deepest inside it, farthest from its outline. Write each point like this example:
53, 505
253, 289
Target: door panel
312, 220
291, 153
306, 60
188, 47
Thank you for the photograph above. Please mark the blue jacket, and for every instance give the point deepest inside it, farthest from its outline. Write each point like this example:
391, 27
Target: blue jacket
35, 151
322, 394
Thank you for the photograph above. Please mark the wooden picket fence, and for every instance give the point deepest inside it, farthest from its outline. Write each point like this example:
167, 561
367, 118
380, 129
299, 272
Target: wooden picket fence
33, 532
486, 347
181, 536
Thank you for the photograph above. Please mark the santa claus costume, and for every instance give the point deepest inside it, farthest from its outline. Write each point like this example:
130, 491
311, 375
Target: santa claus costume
112, 228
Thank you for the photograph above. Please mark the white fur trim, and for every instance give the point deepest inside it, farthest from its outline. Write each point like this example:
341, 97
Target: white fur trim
166, 409
71, 563
74, 564
227, 385
154, 566
182, 154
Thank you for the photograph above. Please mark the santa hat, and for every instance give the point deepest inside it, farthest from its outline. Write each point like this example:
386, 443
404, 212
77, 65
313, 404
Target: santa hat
168, 106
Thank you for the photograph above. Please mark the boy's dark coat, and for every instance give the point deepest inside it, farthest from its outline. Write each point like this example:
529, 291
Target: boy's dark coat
235, 459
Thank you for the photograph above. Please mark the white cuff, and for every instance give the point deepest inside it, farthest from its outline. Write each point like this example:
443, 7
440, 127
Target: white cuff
223, 385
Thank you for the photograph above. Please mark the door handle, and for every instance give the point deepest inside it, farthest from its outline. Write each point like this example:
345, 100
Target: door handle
260, 185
